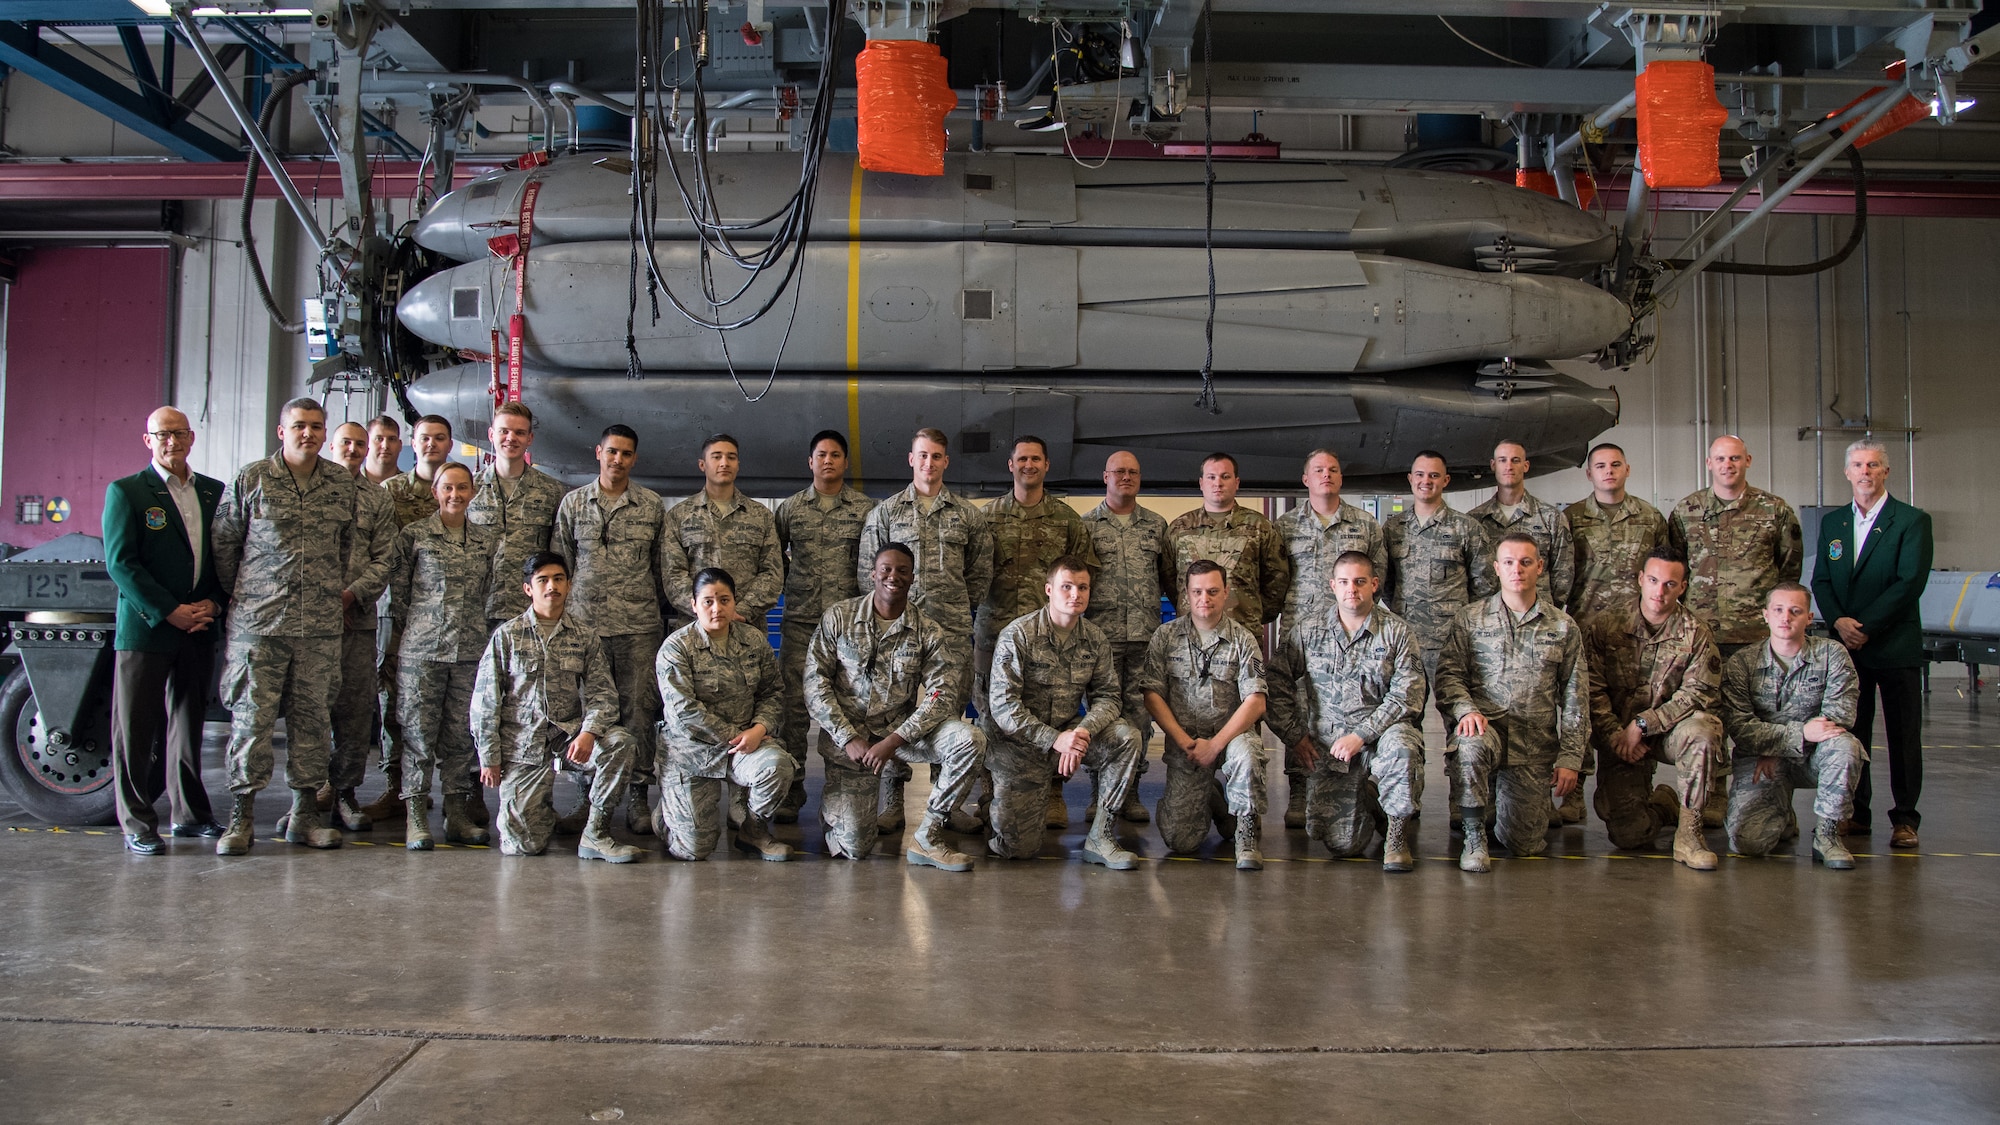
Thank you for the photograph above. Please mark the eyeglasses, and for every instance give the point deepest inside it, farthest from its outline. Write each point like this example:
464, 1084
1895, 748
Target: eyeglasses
171, 435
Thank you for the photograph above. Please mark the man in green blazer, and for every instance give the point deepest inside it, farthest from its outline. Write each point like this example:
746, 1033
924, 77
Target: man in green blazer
1873, 563
156, 546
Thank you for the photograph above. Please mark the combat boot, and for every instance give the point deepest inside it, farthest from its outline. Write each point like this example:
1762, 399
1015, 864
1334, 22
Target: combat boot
795, 799
475, 805
349, 811
890, 818
1791, 831
1571, 809
1396, 854
242, 831
739, 804
597, 842
1218, 811
388, 808
638, 811
417, 833
1132, 811
755, 836
1295, 804
1102, 847
1248, 857
928, 849
577, 820
459, 827
1055, 813
324, 796
306, 826
1715, 812
1473, 857
1828, 849
1665, 805
1689, 847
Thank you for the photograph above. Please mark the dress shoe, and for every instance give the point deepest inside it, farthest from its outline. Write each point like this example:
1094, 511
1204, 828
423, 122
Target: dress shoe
207, 828
1905, 836
144, 843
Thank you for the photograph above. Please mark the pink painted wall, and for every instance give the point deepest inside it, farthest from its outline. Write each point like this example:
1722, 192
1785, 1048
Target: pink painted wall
87, 340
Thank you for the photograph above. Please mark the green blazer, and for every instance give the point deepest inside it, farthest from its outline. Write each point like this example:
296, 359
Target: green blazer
1882, 586
146, 551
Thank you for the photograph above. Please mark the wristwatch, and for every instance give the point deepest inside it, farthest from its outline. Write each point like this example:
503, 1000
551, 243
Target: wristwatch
1641, 723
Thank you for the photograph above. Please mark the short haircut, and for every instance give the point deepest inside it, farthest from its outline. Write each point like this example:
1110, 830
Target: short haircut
447, 467
383, 421
932, 434
350, 422
620, 429
517, 409
1518, 537
1790, 588
540, 559
1323, 451
1600, 447
1208, 566
713, 576
1214, 457
1072, 563
1433, 455
834, 436
1512, 442
1873, 445
301, 403
1665, 553
713, 440
433, 420
1026, 439
1349, 558
900, 548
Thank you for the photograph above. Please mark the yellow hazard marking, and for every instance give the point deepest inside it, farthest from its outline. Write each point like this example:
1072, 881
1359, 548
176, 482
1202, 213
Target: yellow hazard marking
1952, 621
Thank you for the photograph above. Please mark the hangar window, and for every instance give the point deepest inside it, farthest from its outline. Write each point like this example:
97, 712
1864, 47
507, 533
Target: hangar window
465, 304
979, 304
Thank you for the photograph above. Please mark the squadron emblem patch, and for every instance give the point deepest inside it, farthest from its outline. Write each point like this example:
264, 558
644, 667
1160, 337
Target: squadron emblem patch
156, 518
1835, 549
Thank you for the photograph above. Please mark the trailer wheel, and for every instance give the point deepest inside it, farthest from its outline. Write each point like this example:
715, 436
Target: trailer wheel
61, 785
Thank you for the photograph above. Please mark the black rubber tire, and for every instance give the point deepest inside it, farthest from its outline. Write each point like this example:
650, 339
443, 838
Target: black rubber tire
83, 800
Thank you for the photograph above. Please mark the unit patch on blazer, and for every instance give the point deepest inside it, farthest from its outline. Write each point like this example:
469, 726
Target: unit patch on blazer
156, 518
1835, 549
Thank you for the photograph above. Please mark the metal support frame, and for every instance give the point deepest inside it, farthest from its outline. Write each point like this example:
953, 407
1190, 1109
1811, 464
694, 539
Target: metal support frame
150, 114
1170, 54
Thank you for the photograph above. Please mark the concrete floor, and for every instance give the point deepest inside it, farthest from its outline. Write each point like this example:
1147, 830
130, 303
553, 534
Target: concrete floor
376, 985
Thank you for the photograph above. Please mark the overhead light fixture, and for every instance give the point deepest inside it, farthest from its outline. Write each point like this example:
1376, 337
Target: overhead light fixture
1958, 106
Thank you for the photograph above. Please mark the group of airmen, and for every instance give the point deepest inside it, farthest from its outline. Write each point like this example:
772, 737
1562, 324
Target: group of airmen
515, 629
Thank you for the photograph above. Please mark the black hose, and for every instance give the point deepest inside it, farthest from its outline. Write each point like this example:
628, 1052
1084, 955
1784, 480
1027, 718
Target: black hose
278, 93
1854, 239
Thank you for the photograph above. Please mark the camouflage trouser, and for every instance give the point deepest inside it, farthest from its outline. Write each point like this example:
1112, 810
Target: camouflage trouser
436, 701
527, 815
1341, 797
1517, 793
353, 710
1021, 784
1757, 810
959, 648
386, 638
689, 817
264, 678
794, 638
956, 751
1185, 809
1623, 788
631, 656
1129, 658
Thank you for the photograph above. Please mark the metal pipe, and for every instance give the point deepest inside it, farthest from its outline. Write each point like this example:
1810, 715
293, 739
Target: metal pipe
1602, 119
1819, 378
101, 238
429, 78
226, 90
1909, 378
1867, 339
590, 97
1882, 105
1728, 208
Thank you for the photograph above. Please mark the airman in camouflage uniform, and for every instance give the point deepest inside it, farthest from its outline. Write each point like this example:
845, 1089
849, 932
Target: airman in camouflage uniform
620, 554
282, 537
720, 690
819, 531
1243, 541
1135, 555
1613, 533
1791, 717
1203, 680
721, 527
438, 590
1514, 686
522, 513
1347, 690
1653, 681
1046, 667
411, 498
371, 550
882, 687
1512, 508
544, 692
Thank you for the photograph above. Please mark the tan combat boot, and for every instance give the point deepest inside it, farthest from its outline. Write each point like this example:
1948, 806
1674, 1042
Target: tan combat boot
242, 831
1056, 814
1473, 858
389, 807
417, 834
638, 811
597, 842
1102, 847
1295, 804
928, 849
1689, 847
890, 818
1248, 831
1396, 846
349, 812
1828, 848
755, 836
306, 827
459, 827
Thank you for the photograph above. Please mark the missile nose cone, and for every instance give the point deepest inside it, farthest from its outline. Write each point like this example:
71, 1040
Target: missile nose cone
426, 308
443, 230
455, 393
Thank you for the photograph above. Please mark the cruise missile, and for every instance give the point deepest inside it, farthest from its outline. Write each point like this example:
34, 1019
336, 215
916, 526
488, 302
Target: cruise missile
1267, 420
1021, 200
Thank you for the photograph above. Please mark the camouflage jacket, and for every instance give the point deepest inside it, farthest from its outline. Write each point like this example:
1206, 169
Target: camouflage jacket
1247, 546
522, 521
1326, 683
820, 548
954, 554
1765, 705
1041, 679
1025, 541
1611, 548
866, 677
371, 551
438, 589
1528, 672
713, 691
1135, 569
1203, 684
1431, 567
1662, 675
281, 551
1310, 550
1736, 551
530, 686
620, 559
1550, 529
741, 538
412, 497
